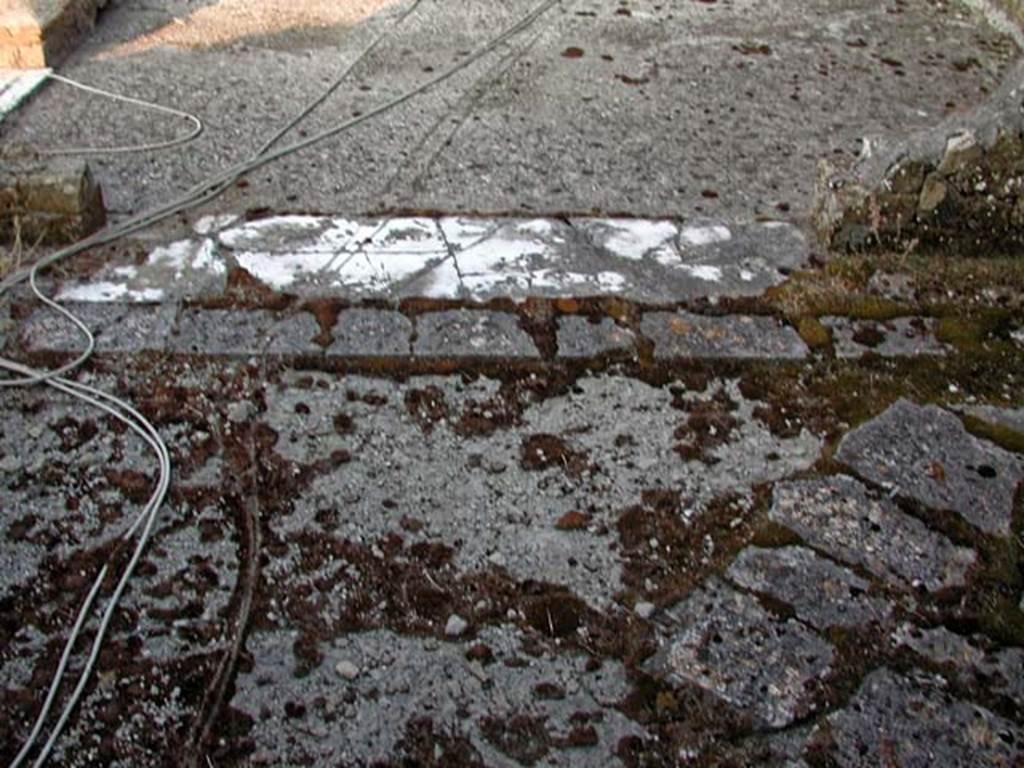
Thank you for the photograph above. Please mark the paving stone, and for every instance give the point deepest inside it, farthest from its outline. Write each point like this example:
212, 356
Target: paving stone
822, 593
725, 642
839, 516
682, 334
924, 452
900, 337
579, 337
371, 332
293, 335
468, 333
222, 332
1001, 672
911, 723
116, 327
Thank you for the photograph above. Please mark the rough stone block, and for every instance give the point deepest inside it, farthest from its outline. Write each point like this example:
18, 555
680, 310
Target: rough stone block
116, 328
838, 516
371, 332
900, 337
726, 643
468, 333
219, 331
685, 335
1001, 671
578, 337
924, 452
52, 201
896, 720
822, 593
293, 334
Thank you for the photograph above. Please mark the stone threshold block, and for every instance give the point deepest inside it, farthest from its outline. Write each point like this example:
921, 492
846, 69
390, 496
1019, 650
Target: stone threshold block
47, 201
40, 33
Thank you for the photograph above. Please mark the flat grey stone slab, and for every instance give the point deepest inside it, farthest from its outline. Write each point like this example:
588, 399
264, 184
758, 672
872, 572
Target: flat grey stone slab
1000, 671
371, 332
450, 257
243, 332
578, 337
896, 720
685, 335
839, 516
924, 452
822, 593
725, 642
470, 333
900, 337
116, 327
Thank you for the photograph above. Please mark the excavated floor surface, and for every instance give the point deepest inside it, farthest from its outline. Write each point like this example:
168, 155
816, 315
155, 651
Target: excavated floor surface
530, 490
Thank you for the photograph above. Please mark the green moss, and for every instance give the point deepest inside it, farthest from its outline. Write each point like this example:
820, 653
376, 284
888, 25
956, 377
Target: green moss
1000, 434
772, 536
814, 334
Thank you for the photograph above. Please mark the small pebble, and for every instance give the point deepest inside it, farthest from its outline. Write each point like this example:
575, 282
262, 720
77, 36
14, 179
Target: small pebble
347, 669
644, 610
456, 626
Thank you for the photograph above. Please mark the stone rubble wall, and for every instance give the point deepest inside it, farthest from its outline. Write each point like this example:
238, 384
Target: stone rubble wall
957, 187
40, 33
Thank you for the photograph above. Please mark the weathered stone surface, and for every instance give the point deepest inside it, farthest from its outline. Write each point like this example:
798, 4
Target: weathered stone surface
579, 337
924, 452
370, 332
725, 642
839, 516
466, 333
116, 328
56, 200
895, 720
222, 332
683, 335
822, 593
293, 334
900, 337
1001, 671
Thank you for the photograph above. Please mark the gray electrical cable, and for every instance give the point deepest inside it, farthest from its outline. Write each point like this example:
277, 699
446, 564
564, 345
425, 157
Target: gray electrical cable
206, 190
196, 123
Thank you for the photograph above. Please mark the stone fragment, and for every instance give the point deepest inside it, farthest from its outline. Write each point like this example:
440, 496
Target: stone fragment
896, 720
900, 337
579, 338
371, 332
933, 192
1001, 672
685, 335
1012, 418
455, 626
116, 327
924, 452
468, 333
726, 643
962, 152
822, 593
839, 516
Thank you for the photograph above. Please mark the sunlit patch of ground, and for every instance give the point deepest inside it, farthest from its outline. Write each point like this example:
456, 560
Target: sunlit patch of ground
231, 21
